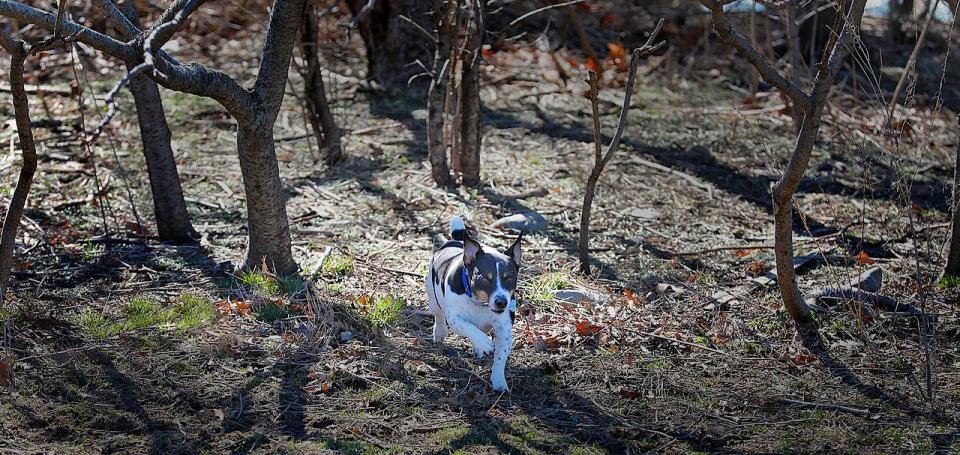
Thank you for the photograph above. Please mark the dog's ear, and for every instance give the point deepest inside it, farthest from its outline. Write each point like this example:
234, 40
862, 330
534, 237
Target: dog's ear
471, 249
514, 251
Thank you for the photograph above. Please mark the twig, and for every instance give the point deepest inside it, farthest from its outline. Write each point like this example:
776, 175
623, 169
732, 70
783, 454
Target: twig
911, 61
827, 407
545, 8
689, 178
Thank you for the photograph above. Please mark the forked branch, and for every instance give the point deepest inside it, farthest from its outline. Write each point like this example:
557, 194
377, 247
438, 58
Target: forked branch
742, 44
601, 159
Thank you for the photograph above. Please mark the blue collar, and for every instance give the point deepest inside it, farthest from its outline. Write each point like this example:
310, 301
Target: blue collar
466, 284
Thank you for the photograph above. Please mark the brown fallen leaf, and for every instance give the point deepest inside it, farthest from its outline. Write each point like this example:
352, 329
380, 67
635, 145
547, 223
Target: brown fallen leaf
586, 328
865, 259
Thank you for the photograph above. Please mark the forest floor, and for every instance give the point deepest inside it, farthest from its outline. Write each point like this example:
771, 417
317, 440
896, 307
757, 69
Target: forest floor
125, 344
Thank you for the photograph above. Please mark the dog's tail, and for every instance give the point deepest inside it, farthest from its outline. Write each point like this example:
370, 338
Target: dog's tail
458, 230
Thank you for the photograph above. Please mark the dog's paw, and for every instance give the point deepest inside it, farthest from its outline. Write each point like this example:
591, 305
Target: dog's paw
499, 383
483, 347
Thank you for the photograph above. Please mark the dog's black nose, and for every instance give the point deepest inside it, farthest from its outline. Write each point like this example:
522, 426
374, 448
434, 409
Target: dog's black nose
500, 302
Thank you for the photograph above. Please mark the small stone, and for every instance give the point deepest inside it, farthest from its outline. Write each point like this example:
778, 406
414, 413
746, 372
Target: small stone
419, 114
644, 214
664, 288
525, 222
346, 335
578, 296
870, 280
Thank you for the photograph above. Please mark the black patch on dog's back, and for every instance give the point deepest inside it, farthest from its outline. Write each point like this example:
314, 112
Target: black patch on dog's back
448, 264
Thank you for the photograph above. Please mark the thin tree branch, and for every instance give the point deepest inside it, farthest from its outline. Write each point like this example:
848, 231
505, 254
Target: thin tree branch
545, 8
638, 53
11, 221
601, 159
742, 44
97, 40
128, 30
170, 22
911, 61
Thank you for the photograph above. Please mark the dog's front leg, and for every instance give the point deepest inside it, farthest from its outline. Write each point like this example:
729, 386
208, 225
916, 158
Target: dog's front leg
503, 333
481, 342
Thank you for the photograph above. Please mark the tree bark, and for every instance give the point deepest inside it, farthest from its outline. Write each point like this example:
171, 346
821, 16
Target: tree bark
268, 243
470, 105
392, 43
952, 267
169, 207
11, 221
321, 118
583, 245
436, 95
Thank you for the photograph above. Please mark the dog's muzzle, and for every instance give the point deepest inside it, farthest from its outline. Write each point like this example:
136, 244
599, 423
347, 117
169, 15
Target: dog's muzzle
499, 305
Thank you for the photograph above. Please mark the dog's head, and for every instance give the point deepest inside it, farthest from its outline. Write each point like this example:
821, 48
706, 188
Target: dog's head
492, 275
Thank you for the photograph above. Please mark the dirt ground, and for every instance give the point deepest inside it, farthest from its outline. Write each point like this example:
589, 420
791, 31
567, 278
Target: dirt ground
124, 344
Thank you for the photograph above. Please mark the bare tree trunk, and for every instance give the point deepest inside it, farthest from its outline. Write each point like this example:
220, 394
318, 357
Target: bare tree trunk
169, 207
321, 119
783, 219
583, 243
898, 15
11, 221
435, 100
452, 96
393, 44
470, 105
812, 104
952, 267
269, 231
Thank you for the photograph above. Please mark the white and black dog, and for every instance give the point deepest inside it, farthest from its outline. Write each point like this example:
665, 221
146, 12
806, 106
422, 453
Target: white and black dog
470, 289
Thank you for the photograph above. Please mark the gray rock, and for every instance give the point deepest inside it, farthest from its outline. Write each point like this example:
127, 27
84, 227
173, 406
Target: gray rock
578, 295
644, 214
526, 222
869, 281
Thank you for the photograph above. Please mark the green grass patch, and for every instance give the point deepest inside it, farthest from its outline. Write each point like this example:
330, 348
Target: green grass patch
541, 288
189, 311
384, 311
949, 282
657, 365
192, 311
260, 282
268, 285
272, 311
337, 264
96, 324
